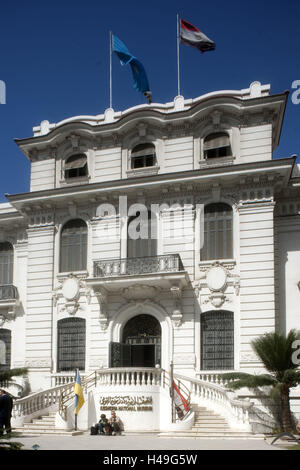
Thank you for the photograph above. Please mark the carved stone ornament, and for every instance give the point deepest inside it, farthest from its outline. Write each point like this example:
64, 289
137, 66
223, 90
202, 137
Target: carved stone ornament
216, 278
177, 311
70, 288
101, 296
69, 293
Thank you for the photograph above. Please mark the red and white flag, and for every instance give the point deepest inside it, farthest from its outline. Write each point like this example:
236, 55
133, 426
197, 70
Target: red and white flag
192, 36
179, 399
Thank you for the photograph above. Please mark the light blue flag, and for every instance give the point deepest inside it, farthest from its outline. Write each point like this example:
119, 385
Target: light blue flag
139, 74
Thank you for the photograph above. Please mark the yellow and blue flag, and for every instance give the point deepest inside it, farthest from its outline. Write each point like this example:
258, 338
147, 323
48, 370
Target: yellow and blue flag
79, 398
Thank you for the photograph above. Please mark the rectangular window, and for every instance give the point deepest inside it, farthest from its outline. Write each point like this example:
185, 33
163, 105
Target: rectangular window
217, 341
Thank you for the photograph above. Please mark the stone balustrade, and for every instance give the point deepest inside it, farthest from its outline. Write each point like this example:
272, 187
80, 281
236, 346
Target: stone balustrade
132, 377
221, 400
36, 402
212, 377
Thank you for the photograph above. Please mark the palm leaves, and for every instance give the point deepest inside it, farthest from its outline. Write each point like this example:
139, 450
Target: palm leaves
6, 375
275, 351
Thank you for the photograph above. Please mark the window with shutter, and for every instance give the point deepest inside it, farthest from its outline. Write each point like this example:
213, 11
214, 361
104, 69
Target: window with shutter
217, 145
143, 155
141, 247
218, 233
76, 166
73, 246
6, 263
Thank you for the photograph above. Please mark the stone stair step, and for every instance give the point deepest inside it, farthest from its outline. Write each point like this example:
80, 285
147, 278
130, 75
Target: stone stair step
44, 420
219, 435
55, 431
211, 425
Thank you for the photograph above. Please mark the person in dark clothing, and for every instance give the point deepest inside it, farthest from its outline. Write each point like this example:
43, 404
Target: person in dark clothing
6, 405
104, 426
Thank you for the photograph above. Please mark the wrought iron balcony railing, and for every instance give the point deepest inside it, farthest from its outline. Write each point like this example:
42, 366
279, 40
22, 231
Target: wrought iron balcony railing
135, 266
8, 292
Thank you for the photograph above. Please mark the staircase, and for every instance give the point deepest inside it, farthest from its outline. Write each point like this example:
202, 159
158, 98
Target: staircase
209, 425
45, 424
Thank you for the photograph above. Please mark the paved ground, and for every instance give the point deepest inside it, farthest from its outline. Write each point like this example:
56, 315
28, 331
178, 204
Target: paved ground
144, 442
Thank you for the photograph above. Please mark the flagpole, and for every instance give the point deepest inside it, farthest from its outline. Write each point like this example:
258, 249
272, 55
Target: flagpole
178, 57
110, 69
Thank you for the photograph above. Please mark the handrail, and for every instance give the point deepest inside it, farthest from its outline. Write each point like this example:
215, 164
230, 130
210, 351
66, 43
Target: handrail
37, 401
238, 411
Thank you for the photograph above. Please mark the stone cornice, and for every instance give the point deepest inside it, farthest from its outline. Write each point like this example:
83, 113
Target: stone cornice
198, 179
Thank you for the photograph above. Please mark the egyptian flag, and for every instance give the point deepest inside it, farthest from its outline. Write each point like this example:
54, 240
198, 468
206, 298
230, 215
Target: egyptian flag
179, 400
192, 36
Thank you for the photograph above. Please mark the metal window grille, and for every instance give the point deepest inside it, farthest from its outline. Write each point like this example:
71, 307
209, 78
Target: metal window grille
73, 246
71, 344
5, 349
6, 263
218, 236
217, 340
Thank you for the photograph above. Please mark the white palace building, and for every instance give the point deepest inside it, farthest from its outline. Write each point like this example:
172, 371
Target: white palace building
221, 267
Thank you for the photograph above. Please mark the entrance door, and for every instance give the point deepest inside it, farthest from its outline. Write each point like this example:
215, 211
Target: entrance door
143, 355
140, 346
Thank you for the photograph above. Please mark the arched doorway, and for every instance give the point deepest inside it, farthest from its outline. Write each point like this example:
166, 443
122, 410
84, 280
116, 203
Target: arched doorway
140, 344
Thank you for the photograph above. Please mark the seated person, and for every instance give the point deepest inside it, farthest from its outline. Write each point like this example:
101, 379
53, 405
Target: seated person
104, 426
115, 423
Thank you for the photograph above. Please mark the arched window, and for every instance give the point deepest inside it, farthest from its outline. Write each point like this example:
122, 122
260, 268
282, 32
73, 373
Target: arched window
73, 246
6, 263
217, 340
76, 166
143, 155
71, 344
218, 239
142, 235
5, 348
217, 145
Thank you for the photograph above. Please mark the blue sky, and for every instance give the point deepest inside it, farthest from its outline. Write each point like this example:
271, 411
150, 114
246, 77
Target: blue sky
55, 61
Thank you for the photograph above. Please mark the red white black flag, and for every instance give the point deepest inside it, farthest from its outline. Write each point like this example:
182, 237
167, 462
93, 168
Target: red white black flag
179, 400
192, 36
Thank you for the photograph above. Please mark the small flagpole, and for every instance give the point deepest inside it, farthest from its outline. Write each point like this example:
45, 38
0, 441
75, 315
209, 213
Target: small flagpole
110, 69
178, 57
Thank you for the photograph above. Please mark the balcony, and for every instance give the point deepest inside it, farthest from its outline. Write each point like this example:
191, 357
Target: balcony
8, 292
162, 271
9, 300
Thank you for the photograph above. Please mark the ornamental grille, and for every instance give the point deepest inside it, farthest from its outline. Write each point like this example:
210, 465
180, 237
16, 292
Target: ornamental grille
71, 344
217, 340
